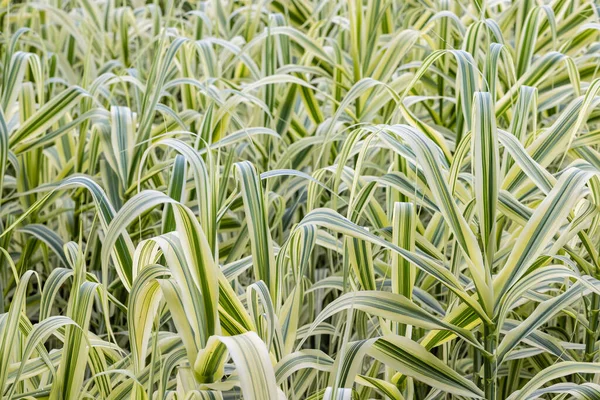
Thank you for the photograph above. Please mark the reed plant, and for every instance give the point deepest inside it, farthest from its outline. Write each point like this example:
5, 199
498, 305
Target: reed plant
299, 199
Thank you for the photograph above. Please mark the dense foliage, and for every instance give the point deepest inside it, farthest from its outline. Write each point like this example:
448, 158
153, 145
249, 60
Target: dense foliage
299, 199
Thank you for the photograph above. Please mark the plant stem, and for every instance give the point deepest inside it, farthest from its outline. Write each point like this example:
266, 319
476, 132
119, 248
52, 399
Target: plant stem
591, 334
489, 373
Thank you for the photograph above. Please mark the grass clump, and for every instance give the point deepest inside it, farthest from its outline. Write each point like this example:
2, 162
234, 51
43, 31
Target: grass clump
363, 199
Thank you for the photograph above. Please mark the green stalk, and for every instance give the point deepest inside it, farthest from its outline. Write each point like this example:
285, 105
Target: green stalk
489, 373
591, 334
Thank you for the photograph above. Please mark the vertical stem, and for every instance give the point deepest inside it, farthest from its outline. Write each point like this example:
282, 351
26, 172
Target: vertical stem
591, 334
489, 373
476, 366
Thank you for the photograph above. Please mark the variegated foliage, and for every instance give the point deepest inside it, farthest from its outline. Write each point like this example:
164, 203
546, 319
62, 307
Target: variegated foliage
301, 199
